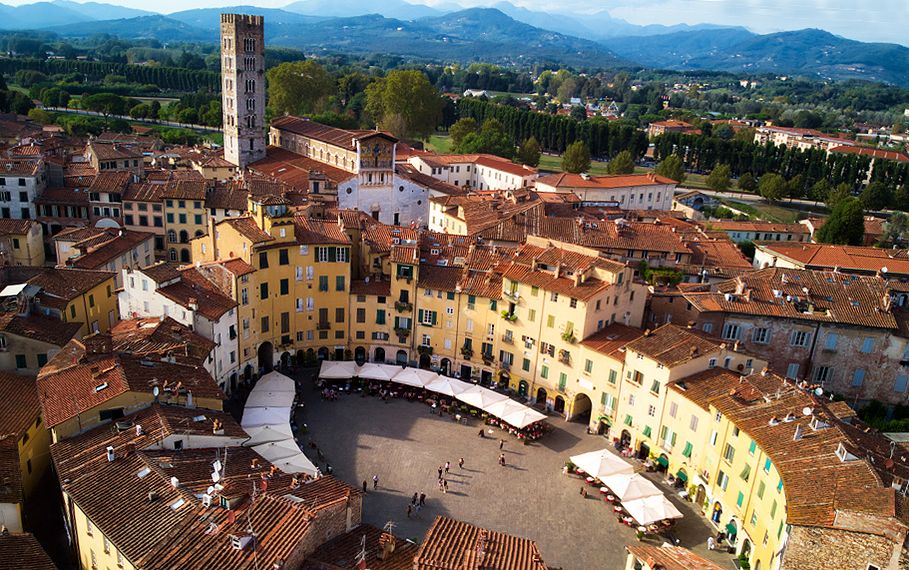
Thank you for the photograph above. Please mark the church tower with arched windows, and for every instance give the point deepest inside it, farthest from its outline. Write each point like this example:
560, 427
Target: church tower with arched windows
243, 87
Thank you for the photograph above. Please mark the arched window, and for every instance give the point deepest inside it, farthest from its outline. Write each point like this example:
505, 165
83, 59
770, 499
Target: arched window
172, 236
173, 254
199, 233
184, 255
184, 236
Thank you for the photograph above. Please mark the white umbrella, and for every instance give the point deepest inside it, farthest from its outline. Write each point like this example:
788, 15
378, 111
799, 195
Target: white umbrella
274, 382
253, 417
373, 371
277, 450
448, 386
409, 377
268, 433
503, 408
480, 397
651, 509
523, 418
630, 487
427, 376
262, 399
602, 463
297, 464
338, 369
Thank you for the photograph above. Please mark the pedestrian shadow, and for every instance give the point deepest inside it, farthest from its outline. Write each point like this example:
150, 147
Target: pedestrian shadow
512, 452
473, 470
516, 468
456, 493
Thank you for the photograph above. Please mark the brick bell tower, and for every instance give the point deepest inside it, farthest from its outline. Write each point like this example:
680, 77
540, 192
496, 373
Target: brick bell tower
243, 87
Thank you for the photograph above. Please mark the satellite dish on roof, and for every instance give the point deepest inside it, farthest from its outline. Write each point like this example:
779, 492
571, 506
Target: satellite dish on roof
806, 411
156, 391
818, 391
884, 269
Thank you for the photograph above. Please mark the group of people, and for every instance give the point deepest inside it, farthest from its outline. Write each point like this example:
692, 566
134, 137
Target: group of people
530, 433
417, 502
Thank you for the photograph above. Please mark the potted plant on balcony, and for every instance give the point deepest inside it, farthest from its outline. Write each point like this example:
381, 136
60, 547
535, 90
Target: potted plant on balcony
466, 352
424, 349
511, 317
402, 332
568, 336
403, 306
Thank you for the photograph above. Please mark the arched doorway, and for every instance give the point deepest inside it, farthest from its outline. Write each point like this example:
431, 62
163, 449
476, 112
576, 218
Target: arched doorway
301, 357
233, 382
643, 451
700, 497
323, 353
541, 396
248, 372
266, 356
732, 530
425, 360
445, 367
559, 405
379, 355
581, 408
310, 355
625, 438
360, 355
184, 255
746, 549
401, 357
285, 360
717, 512
522, 388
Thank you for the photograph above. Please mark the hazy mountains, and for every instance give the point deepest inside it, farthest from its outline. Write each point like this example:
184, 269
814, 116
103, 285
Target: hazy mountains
505, 34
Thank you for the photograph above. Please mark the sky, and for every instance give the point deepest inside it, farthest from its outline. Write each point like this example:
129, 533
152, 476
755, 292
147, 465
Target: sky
865, 20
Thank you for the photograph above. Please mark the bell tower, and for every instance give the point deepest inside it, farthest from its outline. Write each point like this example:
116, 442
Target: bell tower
243, 87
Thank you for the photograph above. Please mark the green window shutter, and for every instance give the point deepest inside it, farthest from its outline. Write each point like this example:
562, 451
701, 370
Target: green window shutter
612, 376
332, 254
647, 431
419, 316
740, 499
628, 420
603, 398
673, 438
544, 373
397, 322
492, 305
664, 432
688, 449
563, 380
450, 296
525, 365
434, 315
746, 472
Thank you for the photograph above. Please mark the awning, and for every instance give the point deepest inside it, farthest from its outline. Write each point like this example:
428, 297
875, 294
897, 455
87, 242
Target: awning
731, 529
605, 419
682, 476
663, 460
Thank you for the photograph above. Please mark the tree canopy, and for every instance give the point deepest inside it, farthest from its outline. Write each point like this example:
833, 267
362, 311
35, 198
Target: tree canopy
772, 187
576, 158
405, 103
298, 88
846, 224
672, 167
622, 163
719, 178
529, 152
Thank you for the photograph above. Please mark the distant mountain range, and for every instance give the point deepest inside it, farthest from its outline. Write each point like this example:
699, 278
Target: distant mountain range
503, 34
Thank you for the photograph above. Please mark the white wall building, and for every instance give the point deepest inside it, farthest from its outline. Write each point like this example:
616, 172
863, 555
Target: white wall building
625, 191
21, 181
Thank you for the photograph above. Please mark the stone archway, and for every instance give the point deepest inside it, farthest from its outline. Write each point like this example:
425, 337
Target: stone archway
266, 356
445, 367
425, 361
523, 387
541, 396
360, 355
379, 355
581, 408
559, 406
323, 353
401, 357
285, 360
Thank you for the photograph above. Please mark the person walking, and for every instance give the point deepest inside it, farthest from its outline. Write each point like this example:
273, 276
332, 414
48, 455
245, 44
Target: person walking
502, 459
440, 471
447, 466
482, 435
501, 444
440, 483
444, 486
461, 463
422, 499
375, 482
413, 501
364, 485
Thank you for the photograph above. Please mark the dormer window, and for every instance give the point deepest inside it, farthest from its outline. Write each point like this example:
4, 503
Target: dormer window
844, 454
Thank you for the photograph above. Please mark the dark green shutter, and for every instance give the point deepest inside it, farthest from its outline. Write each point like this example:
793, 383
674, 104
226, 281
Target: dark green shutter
420, 316
433, 315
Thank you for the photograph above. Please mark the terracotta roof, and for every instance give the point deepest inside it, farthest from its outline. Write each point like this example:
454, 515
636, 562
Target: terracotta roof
235, 265
671, 123
486, 160
410, 172
714, 253
161, 338
296, 170
19, 406
195, 292
185, 190
341, 553
371, 287
844, 257
114, 244
75, 381
26, 551
113, 151
880, 153
68, 283
11, 489
9, 226
37, 327
111, 181
161, 272
26, 167
612, 339
439, 278
702, 387
144, 192
338, 137
247, 227
672, 345
227, 198
569, 180
308, 231
775, 292
454, 545
669, 557
757, 226
64, 195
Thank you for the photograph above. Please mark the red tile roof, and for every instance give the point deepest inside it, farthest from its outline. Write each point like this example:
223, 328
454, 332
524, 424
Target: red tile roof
880, 153
67, 283
247, 227
195, 292
341, 552
161, 338
40, 328
568, 180
97, 252
26, 551
757, 226
338, 137
669, 557
672, 345
9, 226
27, 167
611, 340
296, 170
844, 257
454, 545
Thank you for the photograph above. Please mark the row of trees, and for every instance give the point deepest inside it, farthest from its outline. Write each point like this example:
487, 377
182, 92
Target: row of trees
166, 78
555, 133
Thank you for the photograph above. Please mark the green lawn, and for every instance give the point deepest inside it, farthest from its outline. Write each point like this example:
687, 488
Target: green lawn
439, 143
768, 212
554, 164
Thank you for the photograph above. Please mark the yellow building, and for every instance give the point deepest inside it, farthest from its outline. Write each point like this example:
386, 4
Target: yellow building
24, 446
185, 217
436, 320
554, 295
21, 242
78, 296
295, 303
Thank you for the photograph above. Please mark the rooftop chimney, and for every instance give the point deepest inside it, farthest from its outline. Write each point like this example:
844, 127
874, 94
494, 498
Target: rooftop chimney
110, 453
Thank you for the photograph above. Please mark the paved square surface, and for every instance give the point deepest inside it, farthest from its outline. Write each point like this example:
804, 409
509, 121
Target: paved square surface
404, 444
